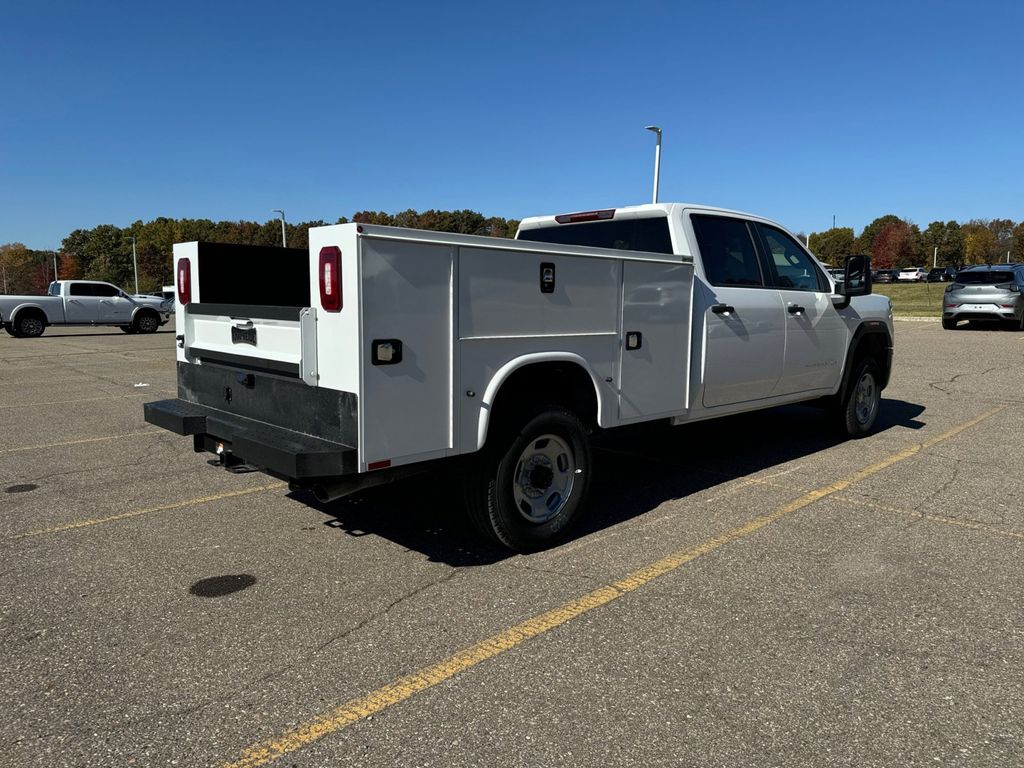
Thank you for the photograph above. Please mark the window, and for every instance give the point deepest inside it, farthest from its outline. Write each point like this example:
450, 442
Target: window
727, 251
794, 269
102, 289
81, 289
984, 277
54, 289
649, 234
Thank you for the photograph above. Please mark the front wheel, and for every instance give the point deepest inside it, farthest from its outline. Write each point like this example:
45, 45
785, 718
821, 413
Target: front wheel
146, 322
129, 329
858, 411
527, 487
10, 330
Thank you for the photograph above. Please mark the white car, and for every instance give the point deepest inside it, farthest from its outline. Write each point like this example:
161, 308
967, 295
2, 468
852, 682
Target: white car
913, 275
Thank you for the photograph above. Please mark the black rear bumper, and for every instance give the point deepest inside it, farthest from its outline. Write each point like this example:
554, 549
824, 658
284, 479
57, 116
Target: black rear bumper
283, 452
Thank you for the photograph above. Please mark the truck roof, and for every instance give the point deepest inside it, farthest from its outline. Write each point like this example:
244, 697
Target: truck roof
648, 210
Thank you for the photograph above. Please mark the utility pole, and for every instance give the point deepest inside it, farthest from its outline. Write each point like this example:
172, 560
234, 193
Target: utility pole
833, 221
55, 278
135, 263
935, 257
284, 241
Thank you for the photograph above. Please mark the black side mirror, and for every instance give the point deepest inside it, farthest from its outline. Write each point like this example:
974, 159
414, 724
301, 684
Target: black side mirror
856, 279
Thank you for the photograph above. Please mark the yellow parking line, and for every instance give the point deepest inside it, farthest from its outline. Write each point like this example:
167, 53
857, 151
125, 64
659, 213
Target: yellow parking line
137, 512
847, 499
405, 687
79, 442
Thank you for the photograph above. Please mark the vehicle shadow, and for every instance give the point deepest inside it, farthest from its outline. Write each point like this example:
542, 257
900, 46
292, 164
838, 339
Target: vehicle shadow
111, 332
636, 470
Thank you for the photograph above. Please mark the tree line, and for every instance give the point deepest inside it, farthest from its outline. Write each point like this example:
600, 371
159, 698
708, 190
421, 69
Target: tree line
895, 243
105, 251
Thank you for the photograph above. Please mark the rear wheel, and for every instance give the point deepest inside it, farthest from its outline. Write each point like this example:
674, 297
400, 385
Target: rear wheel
527, 487
29, 324
948, 324
146, 322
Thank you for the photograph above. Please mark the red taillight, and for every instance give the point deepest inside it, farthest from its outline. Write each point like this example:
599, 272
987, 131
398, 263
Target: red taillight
573, 218
330, 278
184, 281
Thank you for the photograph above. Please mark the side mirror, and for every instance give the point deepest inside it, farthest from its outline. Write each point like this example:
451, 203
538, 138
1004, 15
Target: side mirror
856, 280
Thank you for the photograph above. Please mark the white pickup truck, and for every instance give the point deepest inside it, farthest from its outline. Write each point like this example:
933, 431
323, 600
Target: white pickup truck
83, 302
384, 351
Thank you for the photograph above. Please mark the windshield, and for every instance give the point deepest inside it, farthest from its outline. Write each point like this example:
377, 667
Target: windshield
985, 277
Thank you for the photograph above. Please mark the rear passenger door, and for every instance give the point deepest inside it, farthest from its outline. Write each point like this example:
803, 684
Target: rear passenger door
81, 304
815, 333
744, 319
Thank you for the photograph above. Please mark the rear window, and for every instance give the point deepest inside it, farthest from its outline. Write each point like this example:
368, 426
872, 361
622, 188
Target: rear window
626, 234
985, 277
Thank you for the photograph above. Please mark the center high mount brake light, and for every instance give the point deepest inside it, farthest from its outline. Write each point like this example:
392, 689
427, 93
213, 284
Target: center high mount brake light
575, 218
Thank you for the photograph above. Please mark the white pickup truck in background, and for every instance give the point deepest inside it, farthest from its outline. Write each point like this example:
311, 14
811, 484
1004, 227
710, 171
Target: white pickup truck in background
83, 302
383, 351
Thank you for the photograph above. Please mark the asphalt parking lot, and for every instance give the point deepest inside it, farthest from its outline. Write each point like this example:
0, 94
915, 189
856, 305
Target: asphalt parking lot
748, 592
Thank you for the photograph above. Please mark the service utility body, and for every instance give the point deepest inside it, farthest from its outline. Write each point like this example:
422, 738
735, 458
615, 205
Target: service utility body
385, 351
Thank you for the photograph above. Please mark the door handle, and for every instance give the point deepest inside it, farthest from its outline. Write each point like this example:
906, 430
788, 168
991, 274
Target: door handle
723, 309
795, 309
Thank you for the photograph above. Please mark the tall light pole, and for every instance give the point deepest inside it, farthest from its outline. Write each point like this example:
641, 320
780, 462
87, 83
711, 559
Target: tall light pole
657, 159
284, 239
55, 278
135, 263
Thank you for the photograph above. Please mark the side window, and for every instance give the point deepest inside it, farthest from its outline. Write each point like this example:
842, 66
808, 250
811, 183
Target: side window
727, 251
794, 269
80, 289
105, 290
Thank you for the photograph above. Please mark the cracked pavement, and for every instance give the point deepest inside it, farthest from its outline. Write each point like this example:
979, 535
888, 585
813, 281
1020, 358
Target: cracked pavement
877, 626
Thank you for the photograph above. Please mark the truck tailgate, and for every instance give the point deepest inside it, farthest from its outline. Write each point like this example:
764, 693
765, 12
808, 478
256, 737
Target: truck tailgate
280, 340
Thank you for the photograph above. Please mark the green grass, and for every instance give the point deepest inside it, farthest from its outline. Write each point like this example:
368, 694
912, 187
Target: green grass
914, 299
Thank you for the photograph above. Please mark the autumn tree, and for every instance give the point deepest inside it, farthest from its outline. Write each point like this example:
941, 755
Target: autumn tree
894, 246
833, 245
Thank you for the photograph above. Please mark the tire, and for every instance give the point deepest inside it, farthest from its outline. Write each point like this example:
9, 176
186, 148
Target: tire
11, 330
129, 329
528, 485
29, 324
949, 325
858, 412
146, 322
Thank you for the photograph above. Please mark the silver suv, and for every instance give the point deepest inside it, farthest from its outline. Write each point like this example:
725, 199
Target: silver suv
985, 292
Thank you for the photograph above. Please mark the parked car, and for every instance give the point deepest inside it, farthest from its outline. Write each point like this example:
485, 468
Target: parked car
942, 274
985, 293
885, 276
913, 275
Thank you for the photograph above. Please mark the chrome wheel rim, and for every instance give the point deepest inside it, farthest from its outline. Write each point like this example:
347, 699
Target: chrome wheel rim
31, 326
544, 478
865, 399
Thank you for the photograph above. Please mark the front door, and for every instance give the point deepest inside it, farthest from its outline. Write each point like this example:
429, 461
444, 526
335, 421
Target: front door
815, 333
114, 306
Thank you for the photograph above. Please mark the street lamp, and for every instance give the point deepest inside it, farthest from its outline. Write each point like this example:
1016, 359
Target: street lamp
284, 240
135, 263
657, 159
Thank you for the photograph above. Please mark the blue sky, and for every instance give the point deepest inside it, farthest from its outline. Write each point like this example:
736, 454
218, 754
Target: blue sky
116, 111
